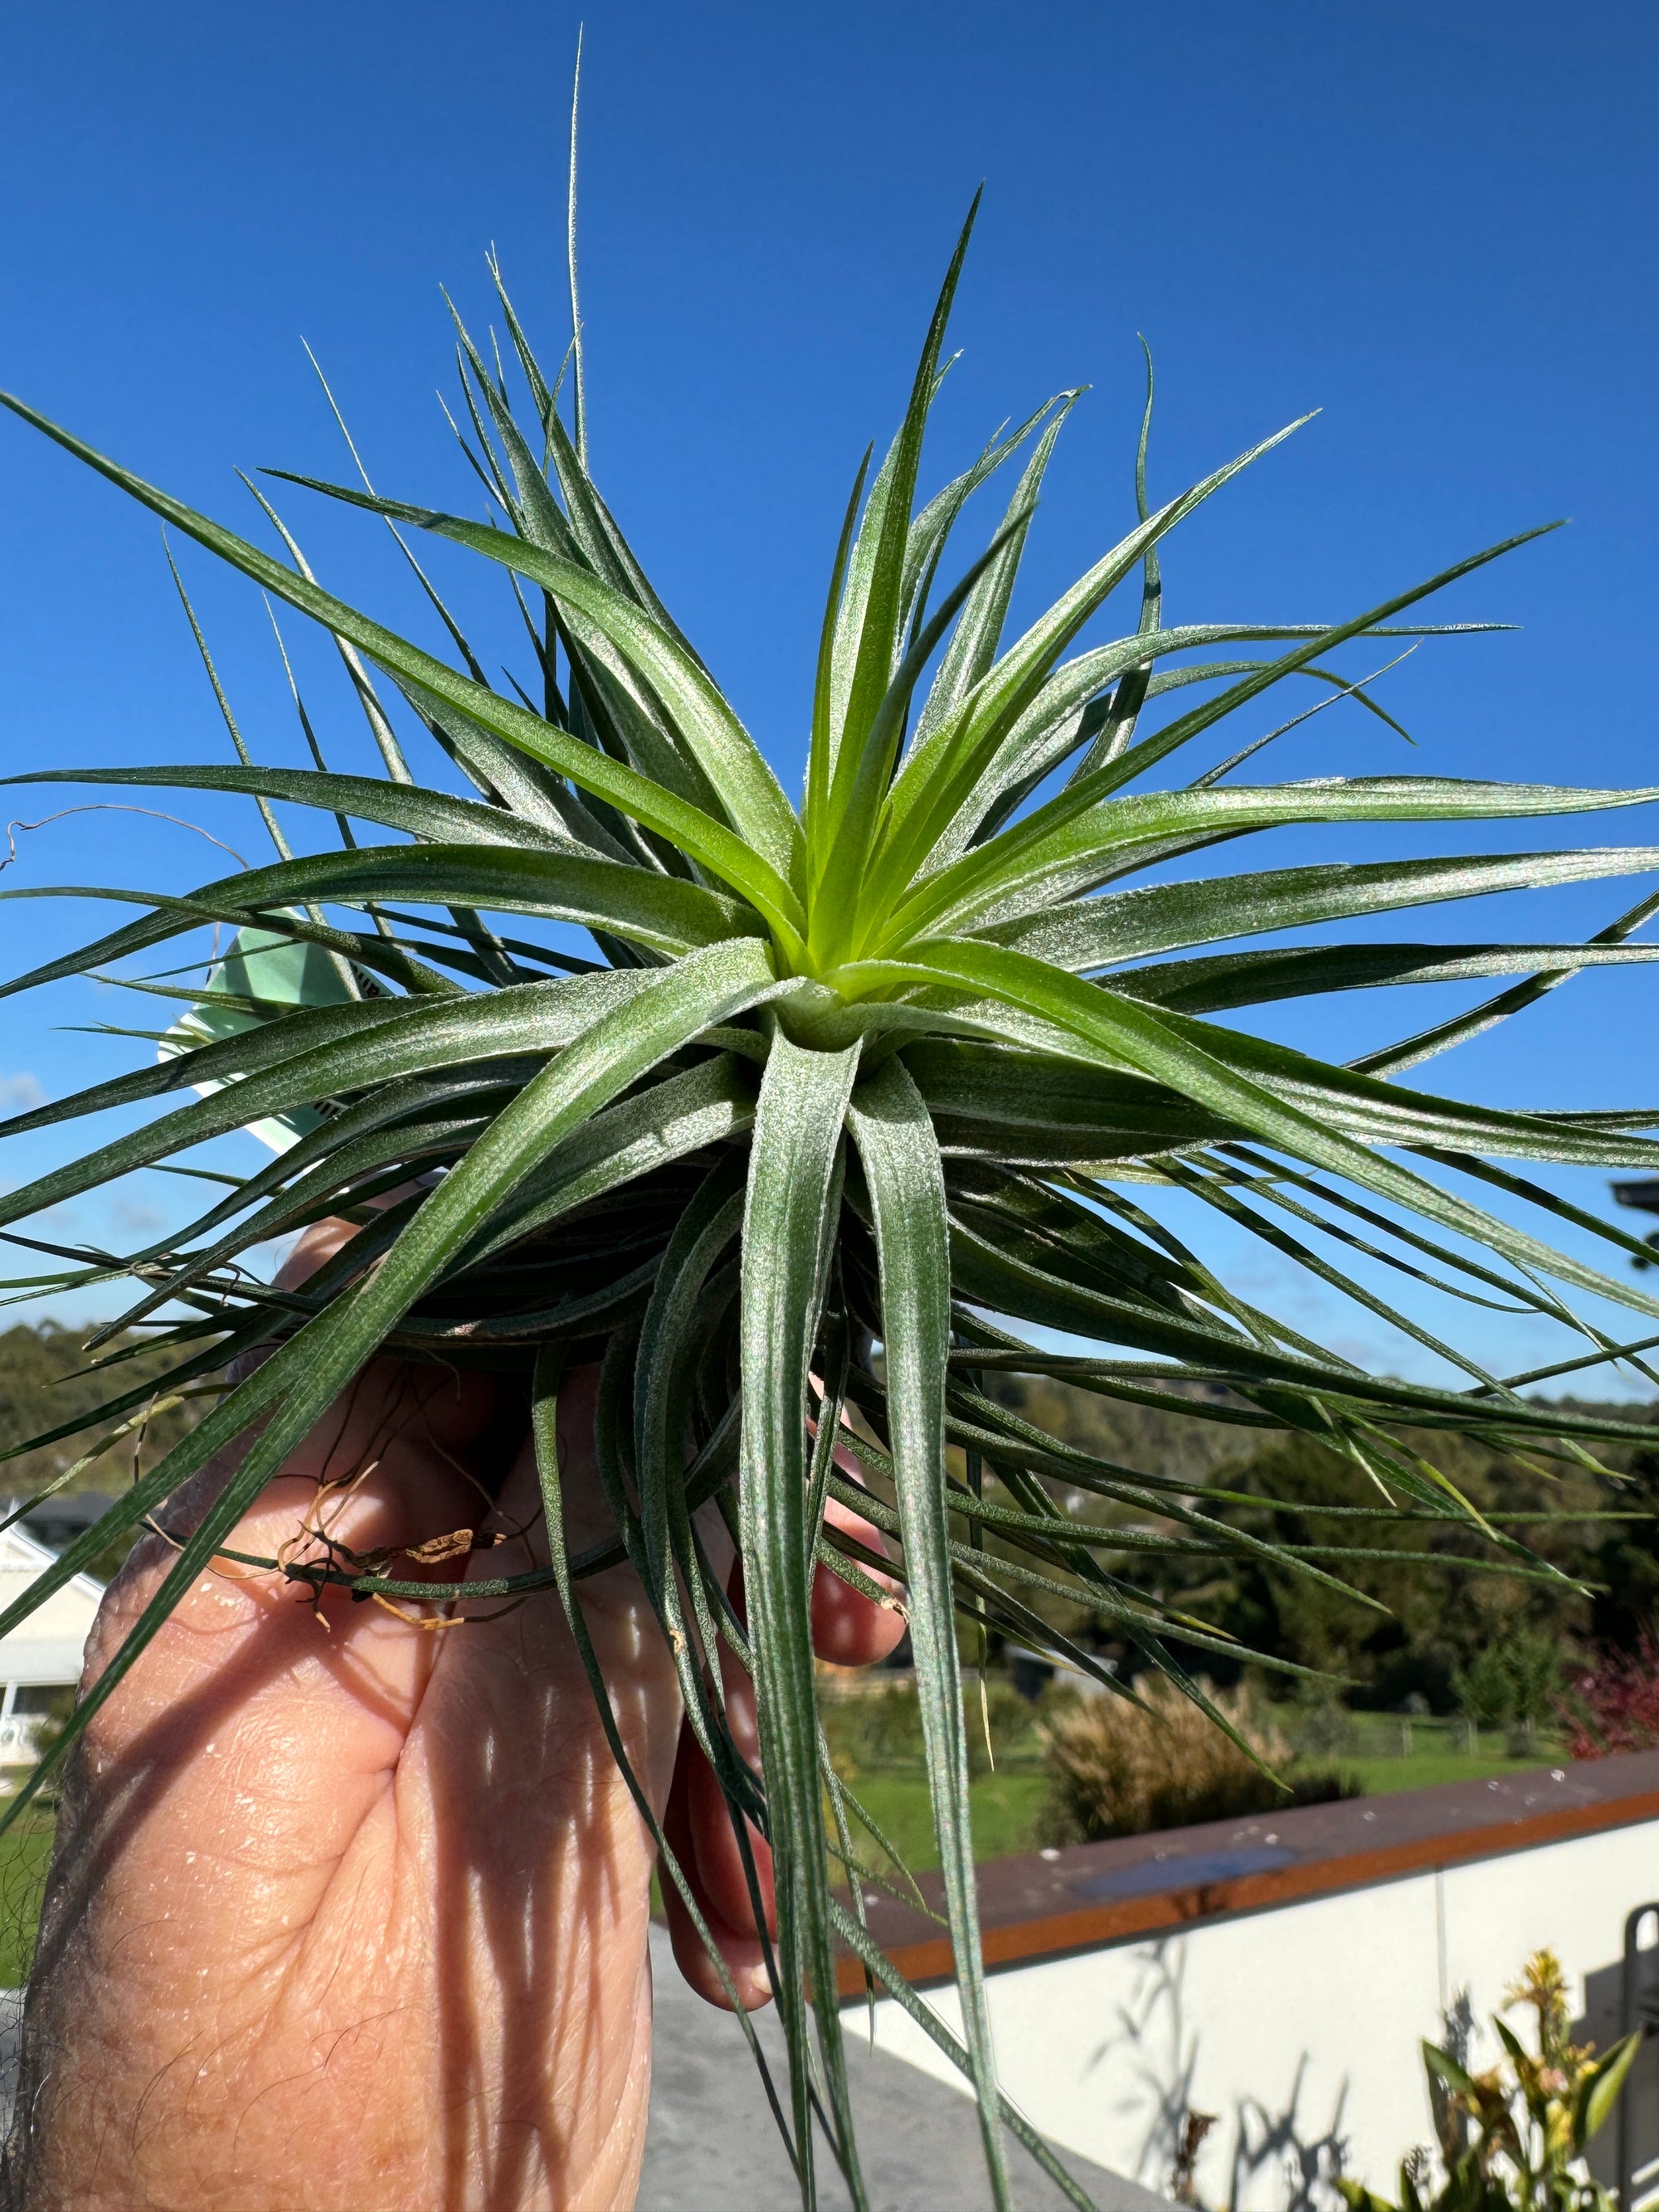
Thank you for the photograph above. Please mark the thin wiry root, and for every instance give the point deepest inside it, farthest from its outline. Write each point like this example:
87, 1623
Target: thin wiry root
314, 1557
416, 1621
445, 1620
228, 1574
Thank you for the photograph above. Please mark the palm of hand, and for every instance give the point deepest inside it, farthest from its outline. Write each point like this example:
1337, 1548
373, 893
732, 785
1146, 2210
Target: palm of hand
357, 1914
347, 1911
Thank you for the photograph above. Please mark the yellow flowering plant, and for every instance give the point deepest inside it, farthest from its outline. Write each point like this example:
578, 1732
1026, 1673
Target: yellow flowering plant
1513, 2138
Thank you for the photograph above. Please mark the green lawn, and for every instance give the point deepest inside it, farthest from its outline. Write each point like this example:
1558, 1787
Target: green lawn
23, 1855
1004, 1809
1381, 1778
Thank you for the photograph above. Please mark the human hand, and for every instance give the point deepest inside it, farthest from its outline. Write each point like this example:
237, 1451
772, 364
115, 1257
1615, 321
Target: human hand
350, 1911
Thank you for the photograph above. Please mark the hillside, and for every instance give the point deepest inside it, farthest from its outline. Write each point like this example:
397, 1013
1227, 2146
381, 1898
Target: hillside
44, 1381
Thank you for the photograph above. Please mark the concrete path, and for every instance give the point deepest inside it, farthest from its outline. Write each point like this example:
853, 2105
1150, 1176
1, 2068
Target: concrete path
713, 2146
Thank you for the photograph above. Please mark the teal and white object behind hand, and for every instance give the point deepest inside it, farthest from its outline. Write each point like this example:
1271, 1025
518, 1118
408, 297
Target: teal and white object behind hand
264, 975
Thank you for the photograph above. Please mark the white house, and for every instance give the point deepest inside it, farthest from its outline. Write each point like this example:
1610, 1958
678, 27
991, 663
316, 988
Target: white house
44, 1655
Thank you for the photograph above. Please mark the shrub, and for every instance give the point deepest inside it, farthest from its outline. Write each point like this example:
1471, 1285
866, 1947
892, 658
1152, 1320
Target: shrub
1321, 1725
1613, 1705
1122, 1769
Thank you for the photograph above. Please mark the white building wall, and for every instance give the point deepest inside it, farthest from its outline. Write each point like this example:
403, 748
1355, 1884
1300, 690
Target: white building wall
1299, 2026
46, 1651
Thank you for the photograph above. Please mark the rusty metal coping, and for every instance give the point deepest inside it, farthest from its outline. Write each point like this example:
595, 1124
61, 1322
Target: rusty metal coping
1047, 1903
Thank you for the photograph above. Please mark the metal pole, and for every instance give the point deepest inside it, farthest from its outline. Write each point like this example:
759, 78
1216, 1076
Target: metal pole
1627, 2022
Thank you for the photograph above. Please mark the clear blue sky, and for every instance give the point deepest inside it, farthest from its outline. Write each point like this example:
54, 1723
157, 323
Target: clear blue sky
1434, 223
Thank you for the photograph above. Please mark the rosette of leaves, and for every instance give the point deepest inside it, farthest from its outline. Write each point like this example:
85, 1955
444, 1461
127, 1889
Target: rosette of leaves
850, 1099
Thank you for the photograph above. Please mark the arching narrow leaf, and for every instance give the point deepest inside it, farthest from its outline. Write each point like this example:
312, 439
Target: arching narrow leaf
788, 1220
901, 1164
721, 849
1083, 933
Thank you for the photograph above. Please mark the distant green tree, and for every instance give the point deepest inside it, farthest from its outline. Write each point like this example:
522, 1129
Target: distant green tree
1483, 1688
1514, 1681
1427, 1620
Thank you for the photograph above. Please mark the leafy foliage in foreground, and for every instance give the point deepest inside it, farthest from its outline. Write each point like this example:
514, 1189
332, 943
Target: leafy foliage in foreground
912, 1065
1513, 2138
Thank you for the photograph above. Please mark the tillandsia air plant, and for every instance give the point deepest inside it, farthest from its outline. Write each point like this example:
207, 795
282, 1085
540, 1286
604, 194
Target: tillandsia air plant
851, 1102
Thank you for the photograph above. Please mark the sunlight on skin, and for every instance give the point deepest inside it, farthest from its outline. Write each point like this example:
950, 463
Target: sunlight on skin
355, 1914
